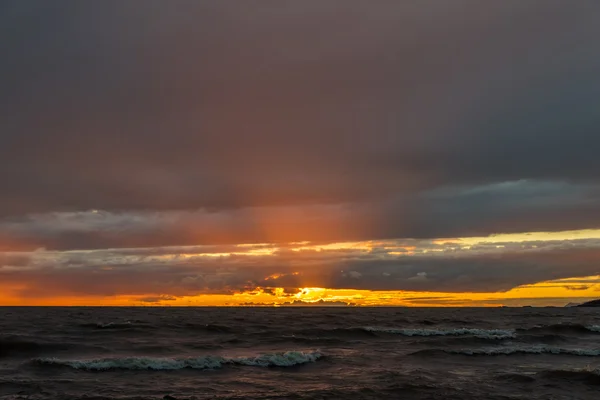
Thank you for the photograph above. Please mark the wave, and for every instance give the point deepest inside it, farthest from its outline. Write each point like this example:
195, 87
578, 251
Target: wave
468, 341
314, 340
563, 328
591, 376
442, 321
593, 328
286, 359
336, 332
542, 333
480, 333
133, 325
483, 340
513, 350
210, 328
516, 378
112, 325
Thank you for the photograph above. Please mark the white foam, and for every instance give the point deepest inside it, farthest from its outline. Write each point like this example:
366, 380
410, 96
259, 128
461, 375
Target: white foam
527, 350
480, 333
593, 328
286, 359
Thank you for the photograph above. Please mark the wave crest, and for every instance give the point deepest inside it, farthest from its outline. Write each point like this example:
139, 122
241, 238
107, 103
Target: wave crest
593, 328
286, 359
480, 333
507, 351
111, 325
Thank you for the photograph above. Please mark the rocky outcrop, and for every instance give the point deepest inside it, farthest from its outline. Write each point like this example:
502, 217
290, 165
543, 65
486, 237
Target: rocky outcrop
593, 303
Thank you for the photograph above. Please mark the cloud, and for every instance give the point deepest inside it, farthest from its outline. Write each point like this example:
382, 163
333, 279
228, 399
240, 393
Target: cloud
445, 212
177, 272
412, 120
419, 277
354, 274
157, 299
140, 145
581, 287
319, 303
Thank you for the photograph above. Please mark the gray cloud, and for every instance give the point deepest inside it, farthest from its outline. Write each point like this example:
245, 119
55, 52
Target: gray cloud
413, 115
157, 299
156, 136
445, 212
176, 272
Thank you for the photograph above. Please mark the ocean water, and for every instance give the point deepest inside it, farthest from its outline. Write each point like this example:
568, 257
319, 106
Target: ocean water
299, 353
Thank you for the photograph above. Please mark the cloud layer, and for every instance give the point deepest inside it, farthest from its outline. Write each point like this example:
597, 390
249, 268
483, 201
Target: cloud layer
410, 265
518, 206
133, 130
188, 106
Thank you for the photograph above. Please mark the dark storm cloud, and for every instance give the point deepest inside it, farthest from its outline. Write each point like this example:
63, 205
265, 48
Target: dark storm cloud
403, 111
445, 212
470, 274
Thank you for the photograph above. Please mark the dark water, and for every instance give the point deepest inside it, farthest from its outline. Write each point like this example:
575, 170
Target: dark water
299, 353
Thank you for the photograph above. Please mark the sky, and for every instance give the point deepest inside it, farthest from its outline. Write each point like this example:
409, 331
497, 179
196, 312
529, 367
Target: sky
316, 152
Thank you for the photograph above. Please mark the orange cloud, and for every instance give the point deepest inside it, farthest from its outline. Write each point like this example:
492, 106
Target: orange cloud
385, 272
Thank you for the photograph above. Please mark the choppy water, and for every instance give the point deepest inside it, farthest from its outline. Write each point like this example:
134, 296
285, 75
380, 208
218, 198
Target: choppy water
299, 353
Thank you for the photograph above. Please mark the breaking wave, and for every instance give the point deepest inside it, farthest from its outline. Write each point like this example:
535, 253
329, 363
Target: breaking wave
513, 350
480, 333
593, 328
286, 359
544, 332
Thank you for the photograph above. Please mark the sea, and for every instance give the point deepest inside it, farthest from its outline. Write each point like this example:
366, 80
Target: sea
299, 353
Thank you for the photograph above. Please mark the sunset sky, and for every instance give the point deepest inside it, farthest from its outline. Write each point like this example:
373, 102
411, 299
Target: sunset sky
414, 153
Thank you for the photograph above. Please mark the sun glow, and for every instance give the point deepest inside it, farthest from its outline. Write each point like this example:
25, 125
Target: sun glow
555, 293
301, 264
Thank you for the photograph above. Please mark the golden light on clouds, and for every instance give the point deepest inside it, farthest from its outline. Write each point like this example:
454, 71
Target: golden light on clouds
522, 295
275, 289
548, 293
399, 247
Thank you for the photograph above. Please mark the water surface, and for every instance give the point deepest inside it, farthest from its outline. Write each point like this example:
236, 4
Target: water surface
299, 353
